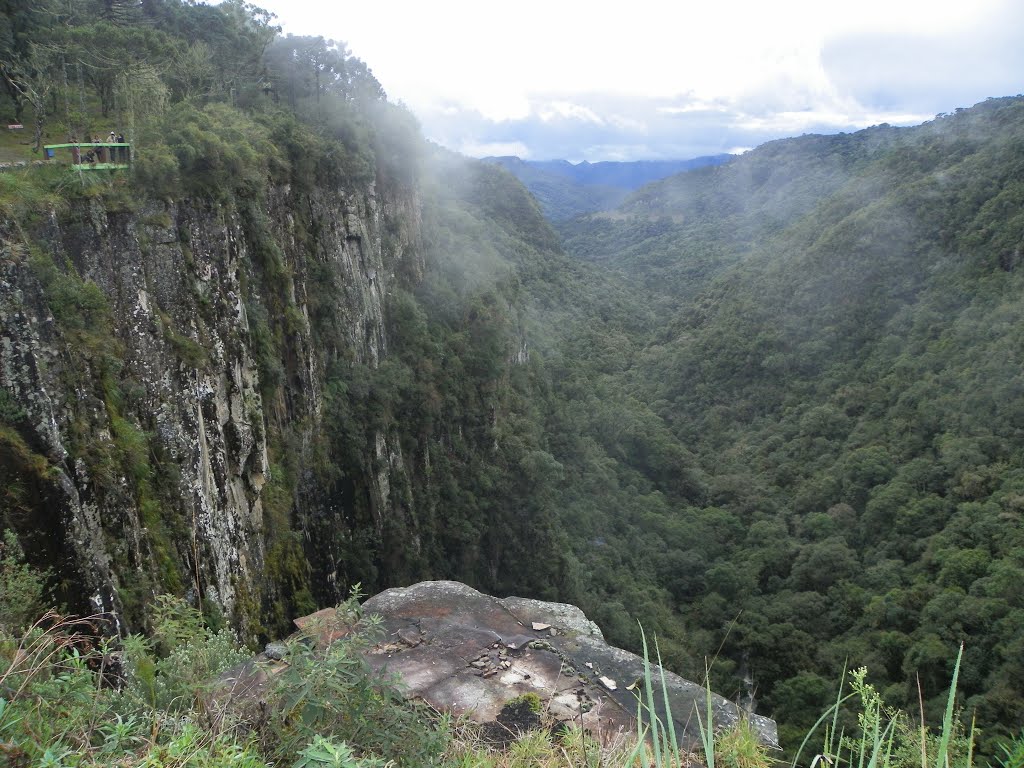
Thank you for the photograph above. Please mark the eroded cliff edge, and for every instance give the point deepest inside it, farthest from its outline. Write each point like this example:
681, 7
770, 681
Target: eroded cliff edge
147, 356
476, 657
259, 399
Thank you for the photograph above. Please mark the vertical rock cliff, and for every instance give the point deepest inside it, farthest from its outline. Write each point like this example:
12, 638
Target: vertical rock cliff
263, 395
143, 392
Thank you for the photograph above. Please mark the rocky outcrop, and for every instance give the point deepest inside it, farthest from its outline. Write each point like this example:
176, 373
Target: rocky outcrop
470, 654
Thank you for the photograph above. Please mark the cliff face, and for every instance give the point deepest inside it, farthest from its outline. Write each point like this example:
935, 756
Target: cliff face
149, 357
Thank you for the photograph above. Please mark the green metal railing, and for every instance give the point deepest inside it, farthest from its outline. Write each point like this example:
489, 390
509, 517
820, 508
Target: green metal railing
93, 156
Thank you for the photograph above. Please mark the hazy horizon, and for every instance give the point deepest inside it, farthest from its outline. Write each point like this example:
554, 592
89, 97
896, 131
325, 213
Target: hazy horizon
561, 81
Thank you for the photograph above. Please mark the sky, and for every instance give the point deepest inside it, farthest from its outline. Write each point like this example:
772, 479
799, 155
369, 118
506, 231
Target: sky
669, 79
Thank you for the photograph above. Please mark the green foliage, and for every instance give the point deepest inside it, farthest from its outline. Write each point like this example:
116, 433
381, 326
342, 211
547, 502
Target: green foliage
54, 707
331, 754
175, 622
333, 691
189, 745
22, 587
10, 412
660, 729
824, 369
771, 407
1011, 755
530, 700
80, 306
190, 352
740, 747
174, 670
219, 152
24, 195
883, 736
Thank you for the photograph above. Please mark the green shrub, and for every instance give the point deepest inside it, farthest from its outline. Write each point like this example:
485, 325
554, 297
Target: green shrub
190, 745
10, 411
740, 747
333, 692
220, 153
885, 737
22, 587
178, 666
1012, 754
155, 168
330, 754
76, 304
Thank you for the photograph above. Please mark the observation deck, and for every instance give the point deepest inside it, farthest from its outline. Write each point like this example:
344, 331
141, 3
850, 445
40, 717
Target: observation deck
92, 156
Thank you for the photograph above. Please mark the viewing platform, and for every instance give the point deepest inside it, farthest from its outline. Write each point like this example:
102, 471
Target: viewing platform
92, 156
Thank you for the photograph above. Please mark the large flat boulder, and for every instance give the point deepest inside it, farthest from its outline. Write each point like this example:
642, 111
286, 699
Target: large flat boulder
470, 654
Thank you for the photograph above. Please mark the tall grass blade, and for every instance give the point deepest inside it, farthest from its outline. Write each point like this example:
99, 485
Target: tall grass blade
883, 738
924, 728
707, 731
829, 745
947, 721
970, 742
669, 725
649, 693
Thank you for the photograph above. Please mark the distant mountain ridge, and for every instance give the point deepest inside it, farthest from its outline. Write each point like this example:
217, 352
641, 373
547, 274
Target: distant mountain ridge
565, 189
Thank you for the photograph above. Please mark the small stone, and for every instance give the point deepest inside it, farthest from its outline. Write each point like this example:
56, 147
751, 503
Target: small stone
553, 631
479, 663
608, 683
540, 627
589, 665
410, 636
275, 651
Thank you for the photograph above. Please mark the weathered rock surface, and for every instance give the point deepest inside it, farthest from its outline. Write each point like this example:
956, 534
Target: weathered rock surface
181, 281
467, 653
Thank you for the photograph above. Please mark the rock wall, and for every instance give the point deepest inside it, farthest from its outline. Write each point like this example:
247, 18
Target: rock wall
150, 419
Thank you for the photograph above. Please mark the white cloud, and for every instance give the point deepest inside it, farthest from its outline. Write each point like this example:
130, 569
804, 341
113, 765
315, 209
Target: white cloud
724, 73
565, 109
494, 149
693, 106
628, 124
790, 123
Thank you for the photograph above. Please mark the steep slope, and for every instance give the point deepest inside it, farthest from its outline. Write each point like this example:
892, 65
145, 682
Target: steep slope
842, 360
285, 355
163, 364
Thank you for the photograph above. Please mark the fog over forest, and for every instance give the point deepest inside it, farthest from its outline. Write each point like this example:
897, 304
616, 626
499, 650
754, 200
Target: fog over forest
288, 341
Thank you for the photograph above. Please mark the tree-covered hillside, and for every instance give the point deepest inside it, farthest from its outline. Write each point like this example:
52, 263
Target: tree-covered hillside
770, 409
837, 351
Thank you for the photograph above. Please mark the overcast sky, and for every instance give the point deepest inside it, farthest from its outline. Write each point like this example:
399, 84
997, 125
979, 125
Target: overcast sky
673, 78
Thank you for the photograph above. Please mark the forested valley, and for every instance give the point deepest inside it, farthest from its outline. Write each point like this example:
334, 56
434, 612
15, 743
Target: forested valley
771, 410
